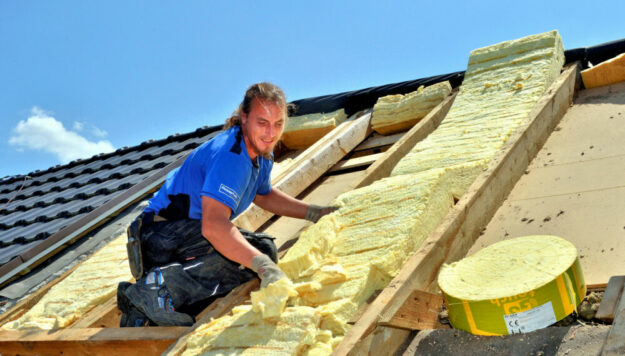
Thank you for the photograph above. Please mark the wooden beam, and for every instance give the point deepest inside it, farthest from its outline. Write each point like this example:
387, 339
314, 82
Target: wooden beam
92, 341
215, 310
377, 141
310, 165
384, 165
610, 299
356, 162
615, 342
455, 235
419, 312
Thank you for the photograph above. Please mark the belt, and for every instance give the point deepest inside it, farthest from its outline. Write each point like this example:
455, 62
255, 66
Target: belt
158, 218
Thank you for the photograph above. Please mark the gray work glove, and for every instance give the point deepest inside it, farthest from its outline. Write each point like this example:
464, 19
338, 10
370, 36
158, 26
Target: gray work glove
267, 270
315, 212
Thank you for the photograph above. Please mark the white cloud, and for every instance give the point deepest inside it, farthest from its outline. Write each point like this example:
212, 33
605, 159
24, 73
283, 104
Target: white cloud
42, 132
98, 132
95, 131
78, 126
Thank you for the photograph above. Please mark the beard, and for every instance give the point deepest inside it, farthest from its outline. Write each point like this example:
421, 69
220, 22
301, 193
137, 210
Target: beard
254, 147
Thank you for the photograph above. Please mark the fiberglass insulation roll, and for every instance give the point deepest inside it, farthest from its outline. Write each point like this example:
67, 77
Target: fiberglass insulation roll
515, 285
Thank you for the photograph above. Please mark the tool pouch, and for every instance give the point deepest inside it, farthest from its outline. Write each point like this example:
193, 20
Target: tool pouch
135, 258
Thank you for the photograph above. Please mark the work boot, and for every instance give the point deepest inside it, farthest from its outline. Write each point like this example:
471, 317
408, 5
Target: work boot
131, 316
151, 297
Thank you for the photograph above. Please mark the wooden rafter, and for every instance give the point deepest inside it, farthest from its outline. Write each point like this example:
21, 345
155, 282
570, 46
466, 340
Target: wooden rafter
89, 341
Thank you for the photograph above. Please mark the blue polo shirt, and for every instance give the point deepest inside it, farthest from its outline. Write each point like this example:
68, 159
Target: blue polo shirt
221, 169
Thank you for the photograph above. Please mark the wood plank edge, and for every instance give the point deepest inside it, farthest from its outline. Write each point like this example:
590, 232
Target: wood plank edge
93, 341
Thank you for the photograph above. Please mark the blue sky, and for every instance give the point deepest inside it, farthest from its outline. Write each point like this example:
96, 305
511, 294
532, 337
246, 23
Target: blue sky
83, 77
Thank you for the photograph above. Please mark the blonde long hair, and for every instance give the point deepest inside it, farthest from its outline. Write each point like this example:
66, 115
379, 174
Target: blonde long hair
264, 91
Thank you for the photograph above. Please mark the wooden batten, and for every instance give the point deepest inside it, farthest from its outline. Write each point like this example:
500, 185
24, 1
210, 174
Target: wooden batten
89, 341
457, 232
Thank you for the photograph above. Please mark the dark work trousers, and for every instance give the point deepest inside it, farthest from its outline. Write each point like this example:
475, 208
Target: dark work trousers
192, 269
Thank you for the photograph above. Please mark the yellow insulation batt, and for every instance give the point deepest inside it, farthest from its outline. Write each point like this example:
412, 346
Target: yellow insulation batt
516, 285
271, 300
303, 131
338, 263
502, 84
395, 113
92, 283
246, 333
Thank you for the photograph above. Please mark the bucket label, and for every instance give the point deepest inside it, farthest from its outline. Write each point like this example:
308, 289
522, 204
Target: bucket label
530, 320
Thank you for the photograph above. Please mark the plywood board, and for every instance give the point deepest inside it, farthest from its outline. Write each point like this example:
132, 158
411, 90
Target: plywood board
575, 187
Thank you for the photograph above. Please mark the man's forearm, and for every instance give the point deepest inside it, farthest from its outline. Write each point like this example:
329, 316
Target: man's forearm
282, 204
227, 239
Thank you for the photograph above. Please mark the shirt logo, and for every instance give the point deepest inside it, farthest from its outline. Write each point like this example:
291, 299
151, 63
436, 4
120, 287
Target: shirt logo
229, 192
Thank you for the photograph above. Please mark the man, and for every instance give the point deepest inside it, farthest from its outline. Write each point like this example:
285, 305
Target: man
183, 249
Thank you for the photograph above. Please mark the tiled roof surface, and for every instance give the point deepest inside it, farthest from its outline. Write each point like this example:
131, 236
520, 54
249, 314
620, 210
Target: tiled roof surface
52, 199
